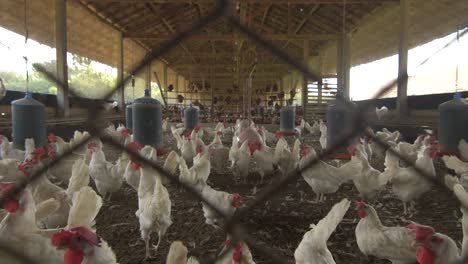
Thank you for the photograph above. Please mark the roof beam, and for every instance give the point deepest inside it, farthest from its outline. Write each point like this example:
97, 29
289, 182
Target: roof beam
231, 37
331, 2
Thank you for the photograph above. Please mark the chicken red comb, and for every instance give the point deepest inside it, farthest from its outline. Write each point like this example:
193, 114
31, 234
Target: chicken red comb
278, 135
421, 232
219, 133
352, 150
237, 254
59, 237
52, 138
425, 256
235, 199
10, 205
125, 133
197, 128
89, 236
360, 205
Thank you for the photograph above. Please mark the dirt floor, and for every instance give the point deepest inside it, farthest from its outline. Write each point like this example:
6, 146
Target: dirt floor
279, 224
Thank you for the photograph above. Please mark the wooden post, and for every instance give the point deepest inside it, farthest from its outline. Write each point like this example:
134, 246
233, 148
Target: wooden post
305, 55
120, 72
402, 99
165, 78
63, 107
343, 64
177, 82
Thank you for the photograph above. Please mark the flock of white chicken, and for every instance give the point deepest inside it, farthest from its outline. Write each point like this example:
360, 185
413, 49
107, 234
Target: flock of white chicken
55, 225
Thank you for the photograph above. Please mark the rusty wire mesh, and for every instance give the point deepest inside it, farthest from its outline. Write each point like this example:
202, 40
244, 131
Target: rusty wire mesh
233, 224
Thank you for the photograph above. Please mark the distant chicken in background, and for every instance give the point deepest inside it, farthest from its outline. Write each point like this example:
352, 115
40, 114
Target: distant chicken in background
369, 181
265, 160
106, 175
407, 184
3, 90
110, 106
324, 178
381, 112
323, 134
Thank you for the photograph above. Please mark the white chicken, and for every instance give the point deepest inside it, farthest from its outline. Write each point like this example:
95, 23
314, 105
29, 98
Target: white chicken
8, 152
132, 171
79, 238
188, 149
437, 248
189, 177
166, 125
18, 229
170, 164
460, 168
178, 254
324, 178
410, 151
242, 162
368, 181
407, 183
323, 134
105, 174
265, 160
381, 112
463, 148
375, 239
9, 170
227, 203
3, 90
286, 159
154, 204
313, 247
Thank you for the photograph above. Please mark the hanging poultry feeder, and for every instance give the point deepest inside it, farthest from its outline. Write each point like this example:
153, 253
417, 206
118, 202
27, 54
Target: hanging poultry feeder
170, 88
258, 101
339, 124
268, 88
215, 100
453, 124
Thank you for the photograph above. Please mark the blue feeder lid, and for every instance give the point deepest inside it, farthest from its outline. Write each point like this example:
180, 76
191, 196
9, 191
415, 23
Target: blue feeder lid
457, 96
146, 99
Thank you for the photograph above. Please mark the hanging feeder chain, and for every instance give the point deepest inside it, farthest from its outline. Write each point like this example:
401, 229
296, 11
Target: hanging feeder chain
26, 37
456, 67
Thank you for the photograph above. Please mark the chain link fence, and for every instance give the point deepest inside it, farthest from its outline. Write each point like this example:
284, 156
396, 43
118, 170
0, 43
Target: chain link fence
233, 224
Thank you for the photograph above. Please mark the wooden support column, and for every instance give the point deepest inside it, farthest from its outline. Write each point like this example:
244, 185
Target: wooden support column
63, 107
120, 72
402, 99
165, 78
305, 58
343, 64
177, 82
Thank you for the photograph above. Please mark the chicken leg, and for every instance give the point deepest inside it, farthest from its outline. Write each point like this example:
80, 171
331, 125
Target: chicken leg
147, 249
